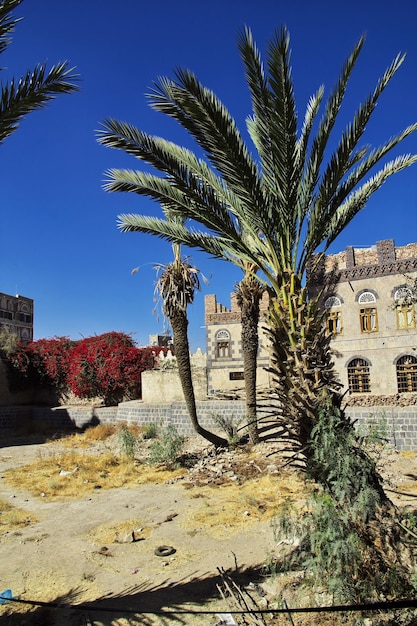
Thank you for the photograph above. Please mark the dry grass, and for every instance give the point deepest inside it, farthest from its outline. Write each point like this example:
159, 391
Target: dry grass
12, 518
76, 474
90, 436
115, 533
226, 509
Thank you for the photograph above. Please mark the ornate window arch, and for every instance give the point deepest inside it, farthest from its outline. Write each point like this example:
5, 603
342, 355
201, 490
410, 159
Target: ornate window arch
366, 297
223, 344
359, 381
407, 374
333, 301
402, 292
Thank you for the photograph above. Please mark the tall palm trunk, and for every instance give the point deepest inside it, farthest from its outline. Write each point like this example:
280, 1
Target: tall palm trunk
249, 294
301, 363
177, 285
179, 323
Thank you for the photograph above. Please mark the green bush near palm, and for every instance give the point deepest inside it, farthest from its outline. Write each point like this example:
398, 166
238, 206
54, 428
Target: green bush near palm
167, 447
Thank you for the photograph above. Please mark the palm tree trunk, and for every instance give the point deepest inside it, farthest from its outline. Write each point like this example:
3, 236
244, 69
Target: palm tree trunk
249, 294
179, 323
301, 363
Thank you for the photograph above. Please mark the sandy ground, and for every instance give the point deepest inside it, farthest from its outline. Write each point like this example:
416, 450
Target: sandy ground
63, 558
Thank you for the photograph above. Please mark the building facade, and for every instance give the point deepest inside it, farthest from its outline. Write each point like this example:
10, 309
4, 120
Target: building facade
16, 315
369, 316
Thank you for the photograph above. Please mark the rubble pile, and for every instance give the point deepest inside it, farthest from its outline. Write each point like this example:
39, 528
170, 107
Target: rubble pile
218, 467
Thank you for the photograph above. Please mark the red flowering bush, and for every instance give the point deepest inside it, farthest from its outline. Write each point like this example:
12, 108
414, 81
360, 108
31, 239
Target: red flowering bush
51, 358
43, 362
108, 366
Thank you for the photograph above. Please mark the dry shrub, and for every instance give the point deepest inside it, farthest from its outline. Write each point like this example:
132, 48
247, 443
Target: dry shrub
99, 432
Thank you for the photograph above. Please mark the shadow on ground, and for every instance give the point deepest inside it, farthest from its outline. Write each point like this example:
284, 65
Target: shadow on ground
170, 602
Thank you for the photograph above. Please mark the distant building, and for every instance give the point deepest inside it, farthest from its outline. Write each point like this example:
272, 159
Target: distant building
16, 314
224, 349
368, 315
161, 341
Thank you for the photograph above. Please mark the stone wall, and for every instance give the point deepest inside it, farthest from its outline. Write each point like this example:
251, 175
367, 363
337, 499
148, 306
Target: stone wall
162, 384
400, 423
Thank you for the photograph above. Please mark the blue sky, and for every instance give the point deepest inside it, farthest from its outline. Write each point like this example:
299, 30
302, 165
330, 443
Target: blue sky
60, 244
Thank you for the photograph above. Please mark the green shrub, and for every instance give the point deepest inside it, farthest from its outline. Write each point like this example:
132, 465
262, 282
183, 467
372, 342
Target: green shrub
150, 431
349, 540
230, 425
127, 441
167, 447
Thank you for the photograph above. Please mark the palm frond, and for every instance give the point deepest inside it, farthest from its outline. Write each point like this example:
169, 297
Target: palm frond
32, 92
334, 102
342, 160
7, 23
208, 192
219, 246
177, 284
190, 204
206, 118
305, 184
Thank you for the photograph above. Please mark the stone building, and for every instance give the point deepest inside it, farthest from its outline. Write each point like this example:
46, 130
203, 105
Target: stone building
372, 320
372, 325
16, 315
224, 350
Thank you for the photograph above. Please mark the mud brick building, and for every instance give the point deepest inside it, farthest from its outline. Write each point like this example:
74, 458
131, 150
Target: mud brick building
371, 319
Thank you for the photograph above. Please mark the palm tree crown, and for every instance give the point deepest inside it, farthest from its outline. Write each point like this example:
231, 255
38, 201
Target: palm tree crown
274, 210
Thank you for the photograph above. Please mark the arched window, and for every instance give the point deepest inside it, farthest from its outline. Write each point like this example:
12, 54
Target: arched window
332, 301
404, 308
333, 316
366, 296
368, 317
358, 376
222, 344
407, 374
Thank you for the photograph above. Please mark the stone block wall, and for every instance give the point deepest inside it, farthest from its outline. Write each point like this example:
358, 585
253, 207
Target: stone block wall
400, 423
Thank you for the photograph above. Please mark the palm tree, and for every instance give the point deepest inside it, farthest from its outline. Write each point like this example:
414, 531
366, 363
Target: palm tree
176, 285
278, 211
36, 88
249, 290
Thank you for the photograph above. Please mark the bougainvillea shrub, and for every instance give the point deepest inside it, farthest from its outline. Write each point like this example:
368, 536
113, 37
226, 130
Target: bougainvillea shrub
42, 362
51, 358
108, 366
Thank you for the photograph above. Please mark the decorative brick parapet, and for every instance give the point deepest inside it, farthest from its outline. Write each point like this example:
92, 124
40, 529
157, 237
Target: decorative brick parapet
384, 259
359, 272
216, 313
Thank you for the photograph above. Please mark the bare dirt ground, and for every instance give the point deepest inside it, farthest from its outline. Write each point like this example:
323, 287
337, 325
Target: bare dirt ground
98, 550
